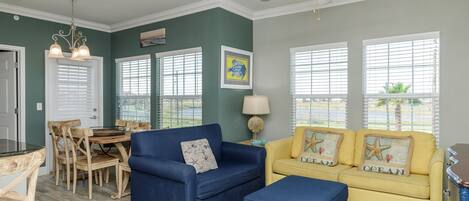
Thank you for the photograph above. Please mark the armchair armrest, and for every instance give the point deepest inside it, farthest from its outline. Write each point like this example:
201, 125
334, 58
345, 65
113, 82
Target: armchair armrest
162, 179
243, 153
279, 149
166, 169
436, 175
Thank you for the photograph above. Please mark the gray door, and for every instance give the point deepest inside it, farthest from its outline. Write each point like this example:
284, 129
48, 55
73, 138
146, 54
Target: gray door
8, 103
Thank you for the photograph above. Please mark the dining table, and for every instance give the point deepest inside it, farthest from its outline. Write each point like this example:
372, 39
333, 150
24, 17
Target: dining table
117, 137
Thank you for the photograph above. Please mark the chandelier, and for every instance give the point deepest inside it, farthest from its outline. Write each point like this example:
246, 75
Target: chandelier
75, 40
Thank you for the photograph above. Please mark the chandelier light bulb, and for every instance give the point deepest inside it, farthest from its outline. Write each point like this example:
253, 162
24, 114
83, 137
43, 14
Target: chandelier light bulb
84, 52
76, 55
55, 51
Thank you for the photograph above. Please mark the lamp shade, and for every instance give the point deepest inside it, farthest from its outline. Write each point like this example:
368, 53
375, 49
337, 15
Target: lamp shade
256, 105
55, 51
84, 52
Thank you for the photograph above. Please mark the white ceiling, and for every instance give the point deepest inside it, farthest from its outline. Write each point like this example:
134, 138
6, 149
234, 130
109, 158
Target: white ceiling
119, 14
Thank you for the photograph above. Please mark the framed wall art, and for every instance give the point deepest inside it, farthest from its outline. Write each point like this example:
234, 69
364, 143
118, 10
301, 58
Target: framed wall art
155, 37
236, 68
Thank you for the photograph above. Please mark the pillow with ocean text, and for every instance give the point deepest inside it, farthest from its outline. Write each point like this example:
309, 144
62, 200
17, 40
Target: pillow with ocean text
387, 154
320, 147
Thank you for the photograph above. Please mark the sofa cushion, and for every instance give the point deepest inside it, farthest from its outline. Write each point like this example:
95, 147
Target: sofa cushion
151, 143
424, 147
228, 175
415, 185
346, 148
295, 167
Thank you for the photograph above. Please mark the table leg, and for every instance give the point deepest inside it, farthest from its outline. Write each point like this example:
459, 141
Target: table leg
125, 179
122, 151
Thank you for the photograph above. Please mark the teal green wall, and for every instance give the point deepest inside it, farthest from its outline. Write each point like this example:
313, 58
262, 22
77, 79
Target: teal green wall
234, 32
209, 30
35, 36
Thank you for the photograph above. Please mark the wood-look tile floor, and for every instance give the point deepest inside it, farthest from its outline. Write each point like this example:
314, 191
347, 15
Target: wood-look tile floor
47, 191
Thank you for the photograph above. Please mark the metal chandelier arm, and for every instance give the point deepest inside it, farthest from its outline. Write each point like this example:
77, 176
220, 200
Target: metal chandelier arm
64, 36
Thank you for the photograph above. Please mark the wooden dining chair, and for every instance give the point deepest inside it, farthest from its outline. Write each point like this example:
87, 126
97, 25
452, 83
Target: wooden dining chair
144, 126
61, 148
120, 123
80, 139
124, 167
27, 166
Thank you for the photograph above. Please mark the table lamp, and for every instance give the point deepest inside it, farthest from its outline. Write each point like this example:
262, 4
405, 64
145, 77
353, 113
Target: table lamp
256, 105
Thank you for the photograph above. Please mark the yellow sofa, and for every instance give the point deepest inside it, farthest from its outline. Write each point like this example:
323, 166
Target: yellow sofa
424, 183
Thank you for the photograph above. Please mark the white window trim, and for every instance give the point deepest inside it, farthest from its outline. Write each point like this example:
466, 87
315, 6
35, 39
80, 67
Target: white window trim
133, 58
318, 47
292, 85
400, 38
159, 57
394, 39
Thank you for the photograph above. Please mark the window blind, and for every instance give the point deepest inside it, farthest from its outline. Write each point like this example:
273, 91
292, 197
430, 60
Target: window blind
401, 83
74, 91
319, 85
134, 88
181, 88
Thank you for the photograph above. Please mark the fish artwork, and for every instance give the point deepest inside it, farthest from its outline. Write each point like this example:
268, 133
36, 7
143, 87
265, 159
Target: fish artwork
238, 69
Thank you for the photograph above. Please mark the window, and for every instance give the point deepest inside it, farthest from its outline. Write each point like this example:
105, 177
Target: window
401, 83
74, 90
319, 85
134, 88
181, 88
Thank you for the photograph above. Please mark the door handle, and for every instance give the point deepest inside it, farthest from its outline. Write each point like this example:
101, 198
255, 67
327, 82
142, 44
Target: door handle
93, 117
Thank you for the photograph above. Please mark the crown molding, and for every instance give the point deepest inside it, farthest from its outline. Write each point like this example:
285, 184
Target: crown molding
183, 10
203, 5
18, 10
297, 8
236, 8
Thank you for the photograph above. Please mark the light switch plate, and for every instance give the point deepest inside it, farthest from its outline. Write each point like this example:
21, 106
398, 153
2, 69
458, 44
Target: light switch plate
39, 106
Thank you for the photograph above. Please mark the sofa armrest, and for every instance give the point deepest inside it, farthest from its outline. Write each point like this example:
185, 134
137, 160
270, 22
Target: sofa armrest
436, 175
162, 179
166, 169
243, 153
279, 149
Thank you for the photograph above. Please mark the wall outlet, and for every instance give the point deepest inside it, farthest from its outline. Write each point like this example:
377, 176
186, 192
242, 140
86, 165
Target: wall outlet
39, 106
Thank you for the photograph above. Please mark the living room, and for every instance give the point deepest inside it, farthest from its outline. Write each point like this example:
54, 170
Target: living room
296, 100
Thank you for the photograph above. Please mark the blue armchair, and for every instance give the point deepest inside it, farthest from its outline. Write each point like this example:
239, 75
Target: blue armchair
160, 174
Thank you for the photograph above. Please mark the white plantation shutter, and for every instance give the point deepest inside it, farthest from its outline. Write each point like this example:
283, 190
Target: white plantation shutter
134, 88
181, 88
412, 61
319, 85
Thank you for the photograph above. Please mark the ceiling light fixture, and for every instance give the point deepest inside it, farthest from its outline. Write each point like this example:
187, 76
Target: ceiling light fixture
316, 6
75, 40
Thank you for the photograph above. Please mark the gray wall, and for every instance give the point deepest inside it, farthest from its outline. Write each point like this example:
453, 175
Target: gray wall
353, 23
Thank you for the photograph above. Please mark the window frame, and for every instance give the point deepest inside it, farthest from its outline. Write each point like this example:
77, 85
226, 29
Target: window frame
160, 97
329, 96
119, 63
435, 95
